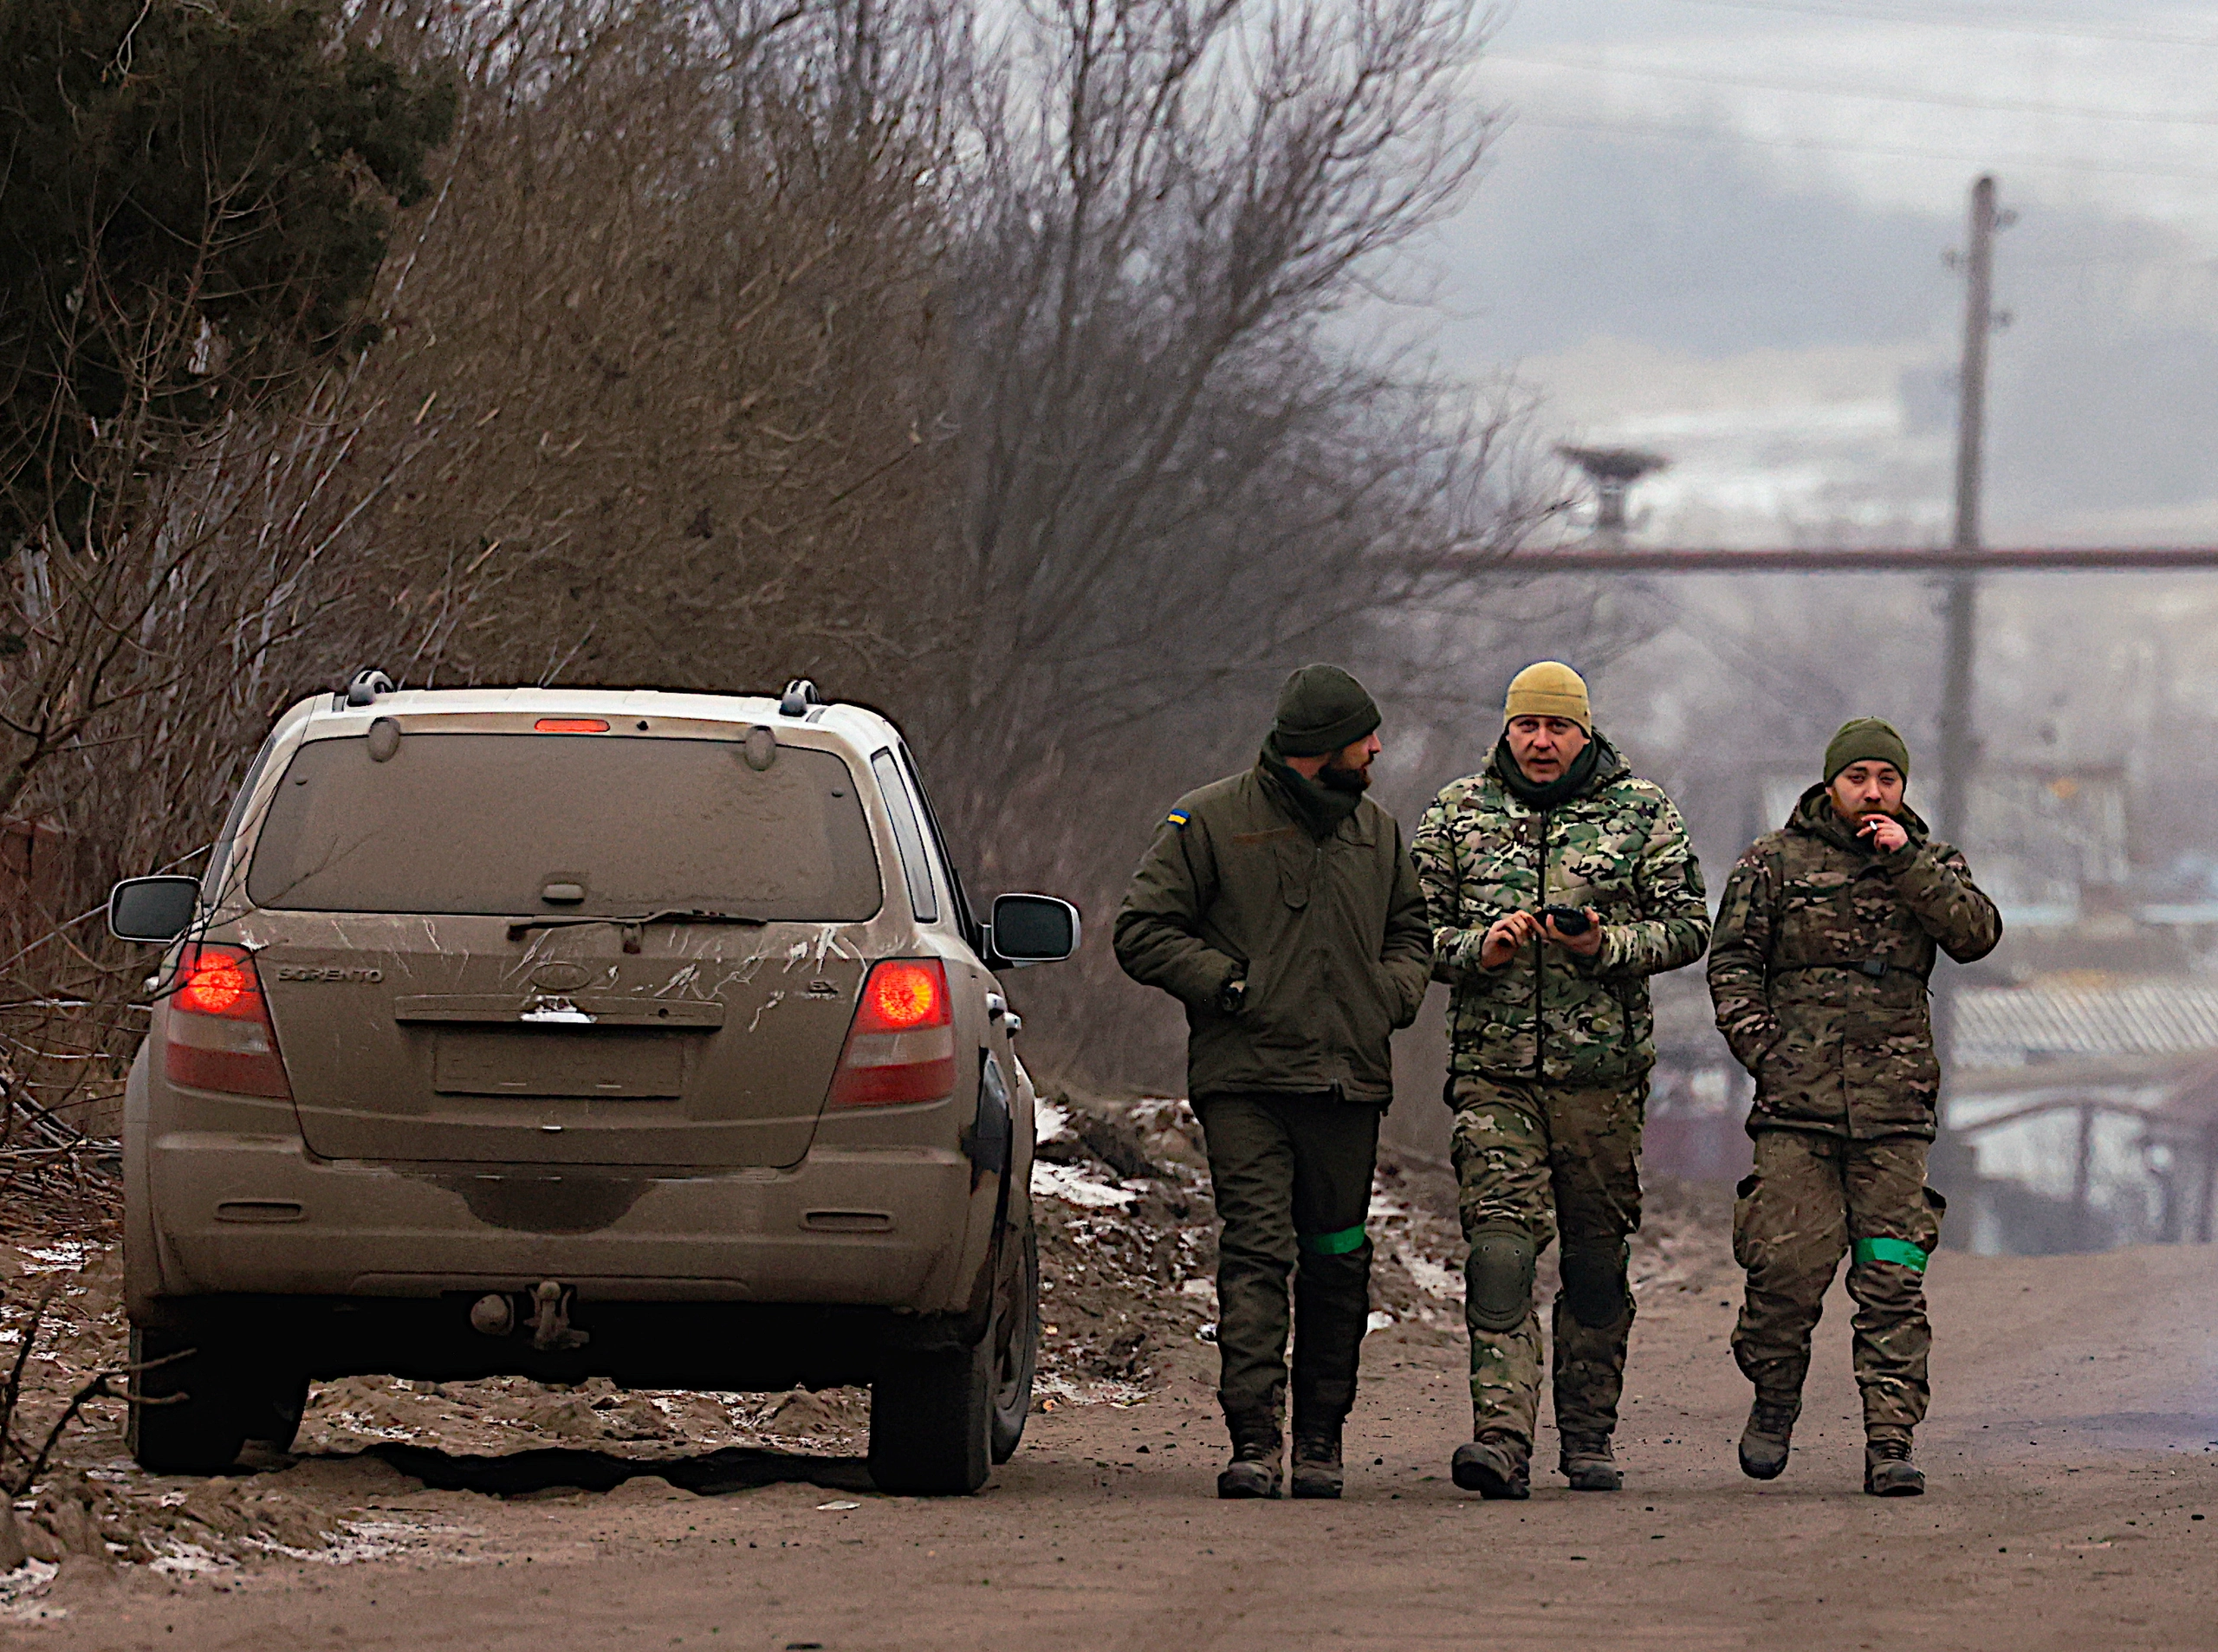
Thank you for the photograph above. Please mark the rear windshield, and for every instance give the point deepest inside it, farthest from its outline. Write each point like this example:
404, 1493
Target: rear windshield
489, 823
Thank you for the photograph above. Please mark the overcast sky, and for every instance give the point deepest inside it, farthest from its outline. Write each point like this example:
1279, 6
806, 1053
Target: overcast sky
1716, 228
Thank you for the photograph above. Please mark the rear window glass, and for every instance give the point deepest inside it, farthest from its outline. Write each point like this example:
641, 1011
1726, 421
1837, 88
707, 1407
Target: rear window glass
487, 822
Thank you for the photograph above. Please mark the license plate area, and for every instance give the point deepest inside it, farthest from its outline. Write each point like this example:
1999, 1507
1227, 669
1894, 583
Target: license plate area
516, 1061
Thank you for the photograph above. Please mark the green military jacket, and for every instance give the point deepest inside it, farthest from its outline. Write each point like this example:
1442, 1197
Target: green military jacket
1329, 935
1820, 966
1548, 1015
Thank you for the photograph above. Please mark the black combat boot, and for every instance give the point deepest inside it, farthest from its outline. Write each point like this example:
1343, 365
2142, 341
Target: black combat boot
1496, 1465
1765, 1442
1588, 1463
1888, 1471
1256, 1448
1317, 1470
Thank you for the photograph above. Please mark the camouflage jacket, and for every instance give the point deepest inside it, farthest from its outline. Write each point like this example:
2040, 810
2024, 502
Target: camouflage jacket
1329, 935
1819, 966
1620, 848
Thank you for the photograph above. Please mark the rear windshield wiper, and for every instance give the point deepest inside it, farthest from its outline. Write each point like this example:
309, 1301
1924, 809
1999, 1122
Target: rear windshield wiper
633, 925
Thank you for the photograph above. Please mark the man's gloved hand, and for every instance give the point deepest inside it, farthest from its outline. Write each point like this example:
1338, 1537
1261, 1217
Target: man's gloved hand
1232, 995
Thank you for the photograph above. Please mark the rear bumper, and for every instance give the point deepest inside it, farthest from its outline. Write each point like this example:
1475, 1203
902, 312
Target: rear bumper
888, 1229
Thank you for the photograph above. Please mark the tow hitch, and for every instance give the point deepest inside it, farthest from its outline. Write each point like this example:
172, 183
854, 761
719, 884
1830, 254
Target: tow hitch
495, 1315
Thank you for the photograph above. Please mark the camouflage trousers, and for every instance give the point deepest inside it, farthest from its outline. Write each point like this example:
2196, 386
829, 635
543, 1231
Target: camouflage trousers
1550, 1161
1813, 1200
1291, 1176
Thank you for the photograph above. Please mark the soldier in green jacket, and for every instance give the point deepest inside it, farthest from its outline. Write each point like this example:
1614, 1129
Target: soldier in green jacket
1280, 907
1825, 943
1557, 884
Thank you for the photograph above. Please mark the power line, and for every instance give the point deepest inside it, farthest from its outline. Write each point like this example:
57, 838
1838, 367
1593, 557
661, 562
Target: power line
1693, 135
2045, 559
1943, 17
2005, 106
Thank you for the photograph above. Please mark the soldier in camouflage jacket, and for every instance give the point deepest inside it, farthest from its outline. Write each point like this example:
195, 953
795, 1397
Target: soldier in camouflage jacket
1825, 943
1552, 1040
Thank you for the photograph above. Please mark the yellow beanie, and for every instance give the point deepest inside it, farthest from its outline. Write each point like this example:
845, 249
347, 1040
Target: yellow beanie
1550, 688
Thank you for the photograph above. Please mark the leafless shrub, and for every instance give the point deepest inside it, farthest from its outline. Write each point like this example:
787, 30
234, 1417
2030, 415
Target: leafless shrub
1184, 469
674, 314
25, 1451
1009, 370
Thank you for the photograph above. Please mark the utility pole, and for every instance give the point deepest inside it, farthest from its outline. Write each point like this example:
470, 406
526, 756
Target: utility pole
1959, 739
1959, 743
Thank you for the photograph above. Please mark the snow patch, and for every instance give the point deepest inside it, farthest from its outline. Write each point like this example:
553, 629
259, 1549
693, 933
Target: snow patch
1074, 1186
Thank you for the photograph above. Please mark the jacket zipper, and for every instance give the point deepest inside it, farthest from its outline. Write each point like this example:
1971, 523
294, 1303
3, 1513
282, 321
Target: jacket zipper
1540, 966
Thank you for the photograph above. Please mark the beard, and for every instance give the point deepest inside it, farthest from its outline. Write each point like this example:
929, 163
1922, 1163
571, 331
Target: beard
1335, 777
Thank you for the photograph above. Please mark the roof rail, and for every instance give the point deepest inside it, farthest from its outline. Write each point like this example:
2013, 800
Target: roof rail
800, 695
366, 686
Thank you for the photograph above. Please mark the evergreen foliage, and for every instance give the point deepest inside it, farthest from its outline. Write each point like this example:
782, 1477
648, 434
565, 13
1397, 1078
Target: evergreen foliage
195, 198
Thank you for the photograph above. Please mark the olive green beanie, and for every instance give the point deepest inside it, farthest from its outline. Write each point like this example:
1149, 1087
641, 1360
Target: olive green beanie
1321, 710
1866, 739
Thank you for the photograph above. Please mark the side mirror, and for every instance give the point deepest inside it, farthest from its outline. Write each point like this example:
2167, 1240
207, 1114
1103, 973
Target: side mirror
152, 909
1033, 928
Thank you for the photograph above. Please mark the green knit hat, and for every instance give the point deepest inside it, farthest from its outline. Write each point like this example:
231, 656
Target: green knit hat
1866, 739
1322, 708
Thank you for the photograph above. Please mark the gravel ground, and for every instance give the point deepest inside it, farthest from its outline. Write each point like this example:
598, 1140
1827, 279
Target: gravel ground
1128, 1304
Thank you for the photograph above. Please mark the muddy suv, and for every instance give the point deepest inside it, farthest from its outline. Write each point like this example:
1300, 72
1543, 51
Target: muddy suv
573, 1034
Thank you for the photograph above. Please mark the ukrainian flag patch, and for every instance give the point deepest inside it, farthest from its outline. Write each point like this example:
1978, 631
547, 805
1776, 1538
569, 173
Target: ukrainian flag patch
1177, 817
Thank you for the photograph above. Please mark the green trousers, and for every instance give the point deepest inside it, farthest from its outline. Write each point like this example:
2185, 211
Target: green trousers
1549, 1161
1291, 1176
1813, 1200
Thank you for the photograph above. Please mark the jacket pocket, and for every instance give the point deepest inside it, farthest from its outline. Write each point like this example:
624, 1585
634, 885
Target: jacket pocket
1744, 1199
1890, 1068
1367, 1011
1928, 1221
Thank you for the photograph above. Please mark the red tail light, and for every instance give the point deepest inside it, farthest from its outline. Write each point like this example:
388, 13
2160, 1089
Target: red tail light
219, 1032
901, 1048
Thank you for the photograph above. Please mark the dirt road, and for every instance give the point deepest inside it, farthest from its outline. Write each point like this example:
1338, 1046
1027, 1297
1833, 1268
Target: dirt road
2071, 1456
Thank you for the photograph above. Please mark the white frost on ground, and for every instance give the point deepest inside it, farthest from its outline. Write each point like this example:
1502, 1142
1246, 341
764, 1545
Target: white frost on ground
1073, 1185
1052, 1393
20, 1592
381, 1539
1429, 1276
62, 1254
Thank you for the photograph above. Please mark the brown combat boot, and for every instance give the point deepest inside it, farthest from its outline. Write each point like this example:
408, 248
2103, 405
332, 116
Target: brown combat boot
1769, 1436
1496, 1465
1317, 1471
1256, 1448
1588, 1463
1888, 1471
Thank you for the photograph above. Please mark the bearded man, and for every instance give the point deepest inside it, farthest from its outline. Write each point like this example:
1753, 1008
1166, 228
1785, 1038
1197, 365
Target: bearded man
1280, 907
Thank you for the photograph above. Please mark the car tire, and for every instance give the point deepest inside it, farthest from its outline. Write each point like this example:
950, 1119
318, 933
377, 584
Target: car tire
273, 1415
931, 1422
198, 1425
1016, 1346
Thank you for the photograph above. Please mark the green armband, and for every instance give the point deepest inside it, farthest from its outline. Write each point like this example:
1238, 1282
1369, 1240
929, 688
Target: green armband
1889, 1250
1338, 1244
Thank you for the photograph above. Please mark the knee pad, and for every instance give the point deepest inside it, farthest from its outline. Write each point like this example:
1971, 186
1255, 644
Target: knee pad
1594, 1283
1498, 1277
